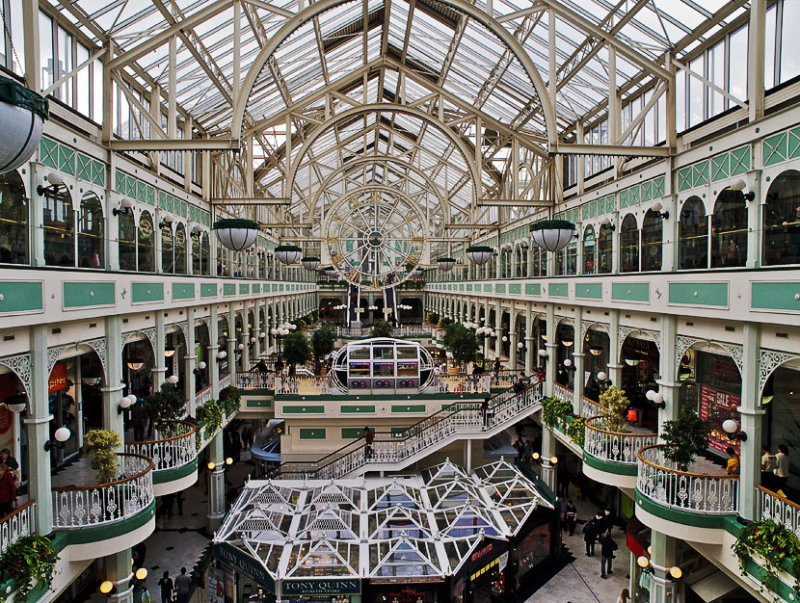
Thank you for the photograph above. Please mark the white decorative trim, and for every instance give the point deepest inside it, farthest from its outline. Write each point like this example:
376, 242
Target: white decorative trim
150, 333
586, 325
653, 336
20, 365
736, 352
54, 353
682, 344
768, 363
99, 346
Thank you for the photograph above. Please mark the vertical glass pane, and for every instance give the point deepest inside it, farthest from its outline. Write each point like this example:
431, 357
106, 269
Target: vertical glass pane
629, 244
782, 220
13, 219
83, 92
97, 89
17, 59
65, 65
589, 246
693, 237
46, 49
737, 82
729, 230
769, 49
167, 250
147, 248
59, 229
205, 254
680, 101
90, 236
790, 41
127, 241
651, 241
604, 250
180, 250
196, 258
716, 74
696, 90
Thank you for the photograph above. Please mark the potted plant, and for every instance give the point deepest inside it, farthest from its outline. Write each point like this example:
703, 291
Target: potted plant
209, 420
100, 444
617, 403
461, 343
230, 399
381, 329
30, 562
685, 437
554, 411
775, 549
323, 341
163, 406
295, 349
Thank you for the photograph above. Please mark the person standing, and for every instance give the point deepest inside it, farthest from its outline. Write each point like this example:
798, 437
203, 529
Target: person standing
8, 490
732, 466
571, 516
369, 438
607, 548
166, 587
7, 459
781, 467
180, 497
768, 465
183, 585
247, 436
590, 535
485, 412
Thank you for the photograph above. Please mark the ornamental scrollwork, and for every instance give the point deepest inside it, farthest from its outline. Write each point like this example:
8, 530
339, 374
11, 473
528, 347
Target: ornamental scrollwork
20, 365
769, 361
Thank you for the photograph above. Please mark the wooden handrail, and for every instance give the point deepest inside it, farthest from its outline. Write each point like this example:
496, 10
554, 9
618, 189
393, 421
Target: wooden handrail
678, 471
18, 510
193, 428
615, 433
116, 482
783, 499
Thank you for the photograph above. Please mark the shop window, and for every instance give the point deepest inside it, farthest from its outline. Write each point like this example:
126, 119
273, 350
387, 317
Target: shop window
629, 244
90, 234
205, 254
197, 260
652, 227
127, 241
59, 228
146, 244
180, 249
13, 220
605, 252
782, 220
167, 250
693, 235
589, 249
538, 261
729, 230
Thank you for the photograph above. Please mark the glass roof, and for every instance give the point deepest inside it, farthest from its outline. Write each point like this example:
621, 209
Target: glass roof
448, 63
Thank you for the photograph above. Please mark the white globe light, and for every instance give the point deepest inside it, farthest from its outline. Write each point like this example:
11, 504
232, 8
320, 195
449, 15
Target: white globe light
240, 346
650, 394
23, 119
125, 402
479, 254
273, 331
730, 426
62, 434
292, 327
236, 235
658, 398
221, 354
201, 365
602, 376
252, 340
172, 379
288, 254
520, 345
543, 353
552, 235
505, 339
568, 362
132, 399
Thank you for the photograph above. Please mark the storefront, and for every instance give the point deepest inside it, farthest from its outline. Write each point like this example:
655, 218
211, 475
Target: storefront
484, 576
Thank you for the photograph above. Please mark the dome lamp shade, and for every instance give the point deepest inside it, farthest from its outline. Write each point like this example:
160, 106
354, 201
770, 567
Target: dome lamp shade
310, 262
552, 235
16, 403
479, 254
22, 113
446, 264
288, 254
236, 234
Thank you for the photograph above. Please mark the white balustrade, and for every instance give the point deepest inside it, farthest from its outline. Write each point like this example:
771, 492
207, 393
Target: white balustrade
255, 380
203, 396
562, 392
779, 509
17, 524
665, 485
173, 447
78, 507
590, 408
612, 446
224, 381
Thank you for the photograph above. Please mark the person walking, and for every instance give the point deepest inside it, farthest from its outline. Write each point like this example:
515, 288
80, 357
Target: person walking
485, 412
590, 535
247, 436
624, 596
607, 548
732, 466
166, 587
369, 437
180, 497
183, 585
8, 490
571, 516
781, 468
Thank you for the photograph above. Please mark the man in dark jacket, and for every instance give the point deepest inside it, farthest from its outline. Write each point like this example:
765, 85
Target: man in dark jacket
607, 548
590, 533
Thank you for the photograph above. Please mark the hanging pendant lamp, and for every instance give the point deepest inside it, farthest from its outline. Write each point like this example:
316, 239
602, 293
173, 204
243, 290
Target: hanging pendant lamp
310, 262
446, 264
479, 254
236, 234
22, 113
552, 235
288, 254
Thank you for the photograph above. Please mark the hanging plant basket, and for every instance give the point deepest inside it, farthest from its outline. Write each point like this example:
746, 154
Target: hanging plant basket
446, 264
22, 113
552, 235
310, 262
288, 254
236, 234
479, 254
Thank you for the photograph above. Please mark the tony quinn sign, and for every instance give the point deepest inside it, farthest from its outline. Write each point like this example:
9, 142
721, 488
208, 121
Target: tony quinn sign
346, 586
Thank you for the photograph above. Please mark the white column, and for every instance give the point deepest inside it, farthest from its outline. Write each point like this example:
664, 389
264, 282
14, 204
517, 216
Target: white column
190, 362
159, 370
750, 421
38, 430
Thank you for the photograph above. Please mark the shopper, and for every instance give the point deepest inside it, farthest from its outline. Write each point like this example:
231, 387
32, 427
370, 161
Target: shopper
570, 516
183, 585
590, 534
768, 465
166, 587
732, 466
624, 596
485, 412
369, 438
781, 468
8, 490
607, 548
7, 459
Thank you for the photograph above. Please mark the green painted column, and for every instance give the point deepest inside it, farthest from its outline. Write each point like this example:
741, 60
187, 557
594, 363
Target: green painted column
190, 362
159, 370
232, 349
614, 347
216, 485
578, 360
750, 421
213, 349
119, 571
113, 389
662, 558
38, 430
552, 349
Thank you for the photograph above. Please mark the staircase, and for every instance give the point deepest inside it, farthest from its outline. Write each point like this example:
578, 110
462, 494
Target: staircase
397, 451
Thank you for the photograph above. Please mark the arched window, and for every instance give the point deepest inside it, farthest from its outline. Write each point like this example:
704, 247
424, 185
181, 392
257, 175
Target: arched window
693, 235
651, 240
127, 241
589, 251
146, 248
629, 244
13, 219
90, 233
197, 260
729, 230
59, 228
180, 249
571, 251
605, 251
538, 261
167, 249
782, 220
205, 254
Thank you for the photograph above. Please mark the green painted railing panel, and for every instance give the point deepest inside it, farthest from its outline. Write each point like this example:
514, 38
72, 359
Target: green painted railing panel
589, 290
408, 408
635, 292
298, 410
699, 294
82, 294
208, 290
182, 290
533, 289
558, 289
313, 434
228, 289
352, 433
244, 289
147, 292
357, 409
776, 296
20, 296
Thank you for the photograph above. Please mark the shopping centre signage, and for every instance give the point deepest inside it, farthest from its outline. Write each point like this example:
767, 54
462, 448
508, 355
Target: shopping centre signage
346, 586
244, 564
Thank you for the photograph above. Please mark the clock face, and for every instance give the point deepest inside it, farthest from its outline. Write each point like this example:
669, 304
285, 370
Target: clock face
376, 238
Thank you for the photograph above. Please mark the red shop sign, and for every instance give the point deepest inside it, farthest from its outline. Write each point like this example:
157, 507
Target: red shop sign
58, 378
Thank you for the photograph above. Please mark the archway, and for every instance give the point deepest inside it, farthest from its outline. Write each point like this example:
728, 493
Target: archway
13, 219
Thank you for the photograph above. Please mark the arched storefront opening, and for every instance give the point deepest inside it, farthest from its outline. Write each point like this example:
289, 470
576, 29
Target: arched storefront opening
13, 220
629, 244
693, 235
782, 220
729, 230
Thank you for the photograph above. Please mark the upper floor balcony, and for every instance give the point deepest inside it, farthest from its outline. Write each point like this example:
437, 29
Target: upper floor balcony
173, 451
609, 456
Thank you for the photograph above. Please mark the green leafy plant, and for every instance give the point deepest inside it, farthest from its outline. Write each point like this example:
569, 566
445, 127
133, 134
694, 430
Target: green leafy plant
381, 329
554, 411
777, 546
432, 318
100, 445
461, 342
31, 563
323, 341
209, 415
167, 404
617, 403
576, 430
295, 348
230, 399
685, 437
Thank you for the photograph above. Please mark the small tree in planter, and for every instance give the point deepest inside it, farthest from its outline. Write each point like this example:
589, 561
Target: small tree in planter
100, 445
685, 437
381, 329
322, 342
295, 348
462, 343
165, 405
230, 399
617, 403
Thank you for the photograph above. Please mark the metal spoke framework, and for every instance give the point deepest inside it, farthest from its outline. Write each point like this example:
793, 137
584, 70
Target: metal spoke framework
461, 108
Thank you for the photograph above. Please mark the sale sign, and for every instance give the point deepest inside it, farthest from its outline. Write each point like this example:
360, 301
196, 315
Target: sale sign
717, 406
